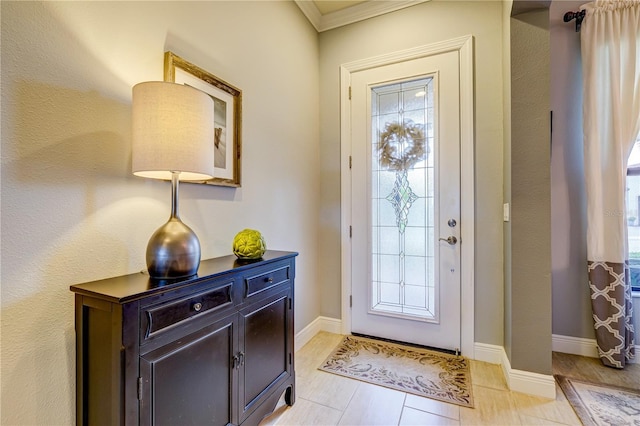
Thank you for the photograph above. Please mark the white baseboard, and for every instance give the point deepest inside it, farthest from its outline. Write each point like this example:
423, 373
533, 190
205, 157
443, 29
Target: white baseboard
543, 385
488, 353
581, 346
331, 325
517, 380
574, 345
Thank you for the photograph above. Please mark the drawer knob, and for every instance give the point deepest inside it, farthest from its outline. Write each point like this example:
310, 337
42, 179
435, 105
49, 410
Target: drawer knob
269, 280
197, 306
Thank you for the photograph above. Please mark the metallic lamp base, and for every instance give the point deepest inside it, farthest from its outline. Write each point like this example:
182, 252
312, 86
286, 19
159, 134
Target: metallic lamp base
173, 251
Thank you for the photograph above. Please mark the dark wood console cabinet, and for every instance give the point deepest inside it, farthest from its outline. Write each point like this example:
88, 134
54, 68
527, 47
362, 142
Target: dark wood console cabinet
213, 349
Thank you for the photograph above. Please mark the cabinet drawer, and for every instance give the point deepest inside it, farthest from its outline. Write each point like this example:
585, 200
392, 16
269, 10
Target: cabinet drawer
165, 316
266, 280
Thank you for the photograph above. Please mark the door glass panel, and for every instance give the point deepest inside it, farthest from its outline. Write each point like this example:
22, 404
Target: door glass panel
402, 200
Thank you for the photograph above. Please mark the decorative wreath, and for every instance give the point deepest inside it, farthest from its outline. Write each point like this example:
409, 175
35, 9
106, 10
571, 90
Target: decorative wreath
401, 145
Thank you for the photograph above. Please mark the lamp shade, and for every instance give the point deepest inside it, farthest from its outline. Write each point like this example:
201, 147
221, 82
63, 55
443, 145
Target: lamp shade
173, 131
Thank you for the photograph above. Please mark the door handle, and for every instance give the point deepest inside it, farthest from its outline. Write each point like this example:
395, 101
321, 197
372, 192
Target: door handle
451, 240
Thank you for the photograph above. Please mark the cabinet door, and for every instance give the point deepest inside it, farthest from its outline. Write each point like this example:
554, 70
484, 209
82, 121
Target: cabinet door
190, 381
266, 345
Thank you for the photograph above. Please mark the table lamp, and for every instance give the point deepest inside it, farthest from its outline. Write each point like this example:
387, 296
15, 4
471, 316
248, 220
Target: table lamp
173, 140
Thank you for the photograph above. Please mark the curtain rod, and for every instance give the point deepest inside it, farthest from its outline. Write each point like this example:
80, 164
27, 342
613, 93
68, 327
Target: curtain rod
578, 16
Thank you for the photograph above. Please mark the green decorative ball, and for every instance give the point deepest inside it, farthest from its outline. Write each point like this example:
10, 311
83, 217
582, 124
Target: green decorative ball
249, 244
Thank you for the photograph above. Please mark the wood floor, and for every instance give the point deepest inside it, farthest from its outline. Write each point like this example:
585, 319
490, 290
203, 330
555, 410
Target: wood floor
592, 370
327, 399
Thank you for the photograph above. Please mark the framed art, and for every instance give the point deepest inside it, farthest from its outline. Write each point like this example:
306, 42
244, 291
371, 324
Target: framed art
227, 115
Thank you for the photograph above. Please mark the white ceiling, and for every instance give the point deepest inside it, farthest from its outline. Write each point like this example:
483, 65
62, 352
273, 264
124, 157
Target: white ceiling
328, 14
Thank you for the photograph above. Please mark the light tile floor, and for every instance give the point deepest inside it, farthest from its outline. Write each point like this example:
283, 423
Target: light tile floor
327, 399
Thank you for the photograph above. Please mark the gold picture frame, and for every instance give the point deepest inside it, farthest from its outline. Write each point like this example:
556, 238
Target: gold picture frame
228, 115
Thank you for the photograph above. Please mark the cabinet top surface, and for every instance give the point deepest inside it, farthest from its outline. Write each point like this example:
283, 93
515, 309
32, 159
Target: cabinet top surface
135, 286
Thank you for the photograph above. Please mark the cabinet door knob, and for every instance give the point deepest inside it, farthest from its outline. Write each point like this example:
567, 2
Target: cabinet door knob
197, 306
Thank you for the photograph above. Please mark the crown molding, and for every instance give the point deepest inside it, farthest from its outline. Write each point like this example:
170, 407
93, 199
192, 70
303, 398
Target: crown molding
312, 13
355, 13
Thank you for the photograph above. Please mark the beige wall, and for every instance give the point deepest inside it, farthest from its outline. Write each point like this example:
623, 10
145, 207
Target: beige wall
572, 315
72, 211
529, 286
415, 26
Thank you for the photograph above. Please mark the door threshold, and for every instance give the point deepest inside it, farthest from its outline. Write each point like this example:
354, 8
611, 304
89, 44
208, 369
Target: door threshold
414, 345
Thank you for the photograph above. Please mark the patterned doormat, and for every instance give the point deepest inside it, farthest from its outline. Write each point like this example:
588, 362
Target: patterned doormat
598, 404
418, 371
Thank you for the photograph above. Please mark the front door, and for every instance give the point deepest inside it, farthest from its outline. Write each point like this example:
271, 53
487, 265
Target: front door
405, 201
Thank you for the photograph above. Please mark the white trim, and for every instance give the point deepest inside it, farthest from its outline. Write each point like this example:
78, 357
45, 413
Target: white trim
351, 14
488, 353
331, 325
574, 345
581, 346
310, 10
517, 380
543, 385
345, 198
454, 44
464, 45
467, 199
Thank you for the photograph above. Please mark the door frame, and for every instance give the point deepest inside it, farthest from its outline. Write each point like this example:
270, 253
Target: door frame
464, 46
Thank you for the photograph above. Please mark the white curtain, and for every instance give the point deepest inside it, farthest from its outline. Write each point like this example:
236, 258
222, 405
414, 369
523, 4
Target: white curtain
610, 44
